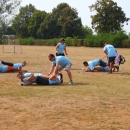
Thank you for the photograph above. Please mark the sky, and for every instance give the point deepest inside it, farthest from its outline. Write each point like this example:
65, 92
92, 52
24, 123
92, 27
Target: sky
82, 8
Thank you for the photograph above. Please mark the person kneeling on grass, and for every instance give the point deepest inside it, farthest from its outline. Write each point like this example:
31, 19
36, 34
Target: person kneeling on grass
97, 69
40, 79
91, 64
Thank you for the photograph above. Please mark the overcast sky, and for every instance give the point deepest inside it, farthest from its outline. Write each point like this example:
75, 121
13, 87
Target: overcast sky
81, 6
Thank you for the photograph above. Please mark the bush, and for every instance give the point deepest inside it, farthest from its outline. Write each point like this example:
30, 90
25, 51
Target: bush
126, 43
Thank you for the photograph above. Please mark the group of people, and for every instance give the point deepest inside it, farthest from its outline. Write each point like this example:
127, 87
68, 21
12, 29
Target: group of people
61, 62
98, 65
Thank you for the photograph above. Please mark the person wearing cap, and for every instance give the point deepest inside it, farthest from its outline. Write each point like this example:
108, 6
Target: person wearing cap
61, 48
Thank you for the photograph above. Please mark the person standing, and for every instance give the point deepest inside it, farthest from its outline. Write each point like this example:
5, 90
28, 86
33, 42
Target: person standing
61, 48
110, 51
59, 63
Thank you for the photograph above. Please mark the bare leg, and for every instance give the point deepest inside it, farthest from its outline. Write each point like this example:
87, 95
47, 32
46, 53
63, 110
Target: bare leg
69, 74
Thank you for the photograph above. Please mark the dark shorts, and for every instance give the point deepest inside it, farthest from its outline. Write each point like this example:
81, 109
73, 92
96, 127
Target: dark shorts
102, 63
111, 60
60, 54
42, 81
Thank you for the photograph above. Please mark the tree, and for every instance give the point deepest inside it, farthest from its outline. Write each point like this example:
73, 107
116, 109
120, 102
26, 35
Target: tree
35, 21
48, 28
109, 17
8, 8
68, 22
21, 21
86, 31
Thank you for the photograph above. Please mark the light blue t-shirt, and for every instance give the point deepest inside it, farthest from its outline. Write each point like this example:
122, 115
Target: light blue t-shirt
29, 74
104, 69
62, 60
17, 65
3, 69
93, 63
61, 47
54, 82
111, 51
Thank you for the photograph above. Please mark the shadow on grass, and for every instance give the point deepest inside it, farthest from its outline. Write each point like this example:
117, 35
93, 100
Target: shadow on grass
62, 85
122, 73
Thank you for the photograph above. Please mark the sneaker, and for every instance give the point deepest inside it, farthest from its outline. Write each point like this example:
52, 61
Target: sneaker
117, 67
110, 72
71, 82
21, 84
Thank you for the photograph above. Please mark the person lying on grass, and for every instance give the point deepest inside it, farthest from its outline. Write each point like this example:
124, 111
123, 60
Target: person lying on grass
14, 65
92, 63
40, 79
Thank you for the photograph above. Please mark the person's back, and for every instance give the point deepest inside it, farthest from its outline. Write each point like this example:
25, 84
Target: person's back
93, 63
111, 51
62, 60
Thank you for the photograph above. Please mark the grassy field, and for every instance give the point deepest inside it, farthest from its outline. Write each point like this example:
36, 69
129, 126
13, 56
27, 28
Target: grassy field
96, 100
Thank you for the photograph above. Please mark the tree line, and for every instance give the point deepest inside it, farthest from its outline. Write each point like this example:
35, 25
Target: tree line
63, 21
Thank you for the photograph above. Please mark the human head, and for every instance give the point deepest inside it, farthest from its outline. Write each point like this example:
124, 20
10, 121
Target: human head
20, 75
24, 63
105, 43
51, 57
62, 41
85, 63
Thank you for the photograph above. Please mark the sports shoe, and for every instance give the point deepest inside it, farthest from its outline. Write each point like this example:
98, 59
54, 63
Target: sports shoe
71, 82
110, 72
117, 67
21, 84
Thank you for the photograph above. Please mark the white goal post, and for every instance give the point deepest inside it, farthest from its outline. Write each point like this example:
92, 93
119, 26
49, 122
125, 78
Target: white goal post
11, 44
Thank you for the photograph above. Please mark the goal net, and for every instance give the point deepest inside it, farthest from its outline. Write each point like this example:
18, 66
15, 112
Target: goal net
11, 44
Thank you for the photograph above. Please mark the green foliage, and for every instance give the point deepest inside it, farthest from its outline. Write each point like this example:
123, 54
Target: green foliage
68, 41
35, 21
109, 16
27, 41
21, 21
126, 43
67, 21
99, 39
7, 10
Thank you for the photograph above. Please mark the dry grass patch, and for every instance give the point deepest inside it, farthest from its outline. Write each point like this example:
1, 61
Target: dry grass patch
96, 101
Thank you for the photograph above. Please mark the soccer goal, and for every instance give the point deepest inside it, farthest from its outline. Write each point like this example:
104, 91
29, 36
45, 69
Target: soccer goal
11, 44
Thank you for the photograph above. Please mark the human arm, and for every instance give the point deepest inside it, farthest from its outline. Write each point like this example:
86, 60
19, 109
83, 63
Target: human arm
51, 70
65, 51
31, 77
105, 52
57, 48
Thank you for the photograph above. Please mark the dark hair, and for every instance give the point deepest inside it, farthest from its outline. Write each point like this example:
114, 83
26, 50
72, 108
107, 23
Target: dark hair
51, 55
85, 62
63, 40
